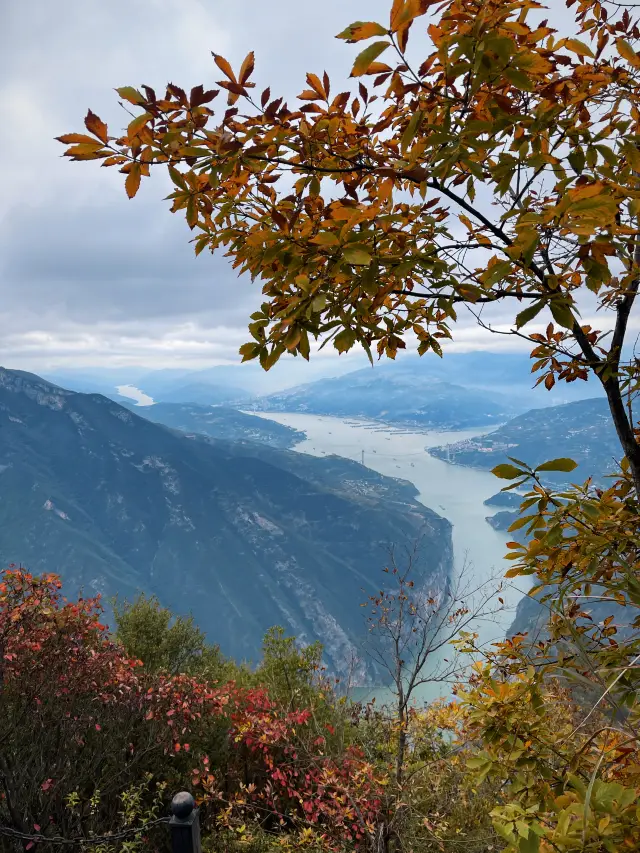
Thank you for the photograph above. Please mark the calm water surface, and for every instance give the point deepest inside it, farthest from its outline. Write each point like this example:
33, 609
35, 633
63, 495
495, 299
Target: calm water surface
455, 492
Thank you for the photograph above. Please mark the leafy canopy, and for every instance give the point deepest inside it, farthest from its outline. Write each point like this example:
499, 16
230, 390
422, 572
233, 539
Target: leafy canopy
502, 167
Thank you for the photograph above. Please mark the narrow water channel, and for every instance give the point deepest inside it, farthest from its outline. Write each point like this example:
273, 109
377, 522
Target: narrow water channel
455, 492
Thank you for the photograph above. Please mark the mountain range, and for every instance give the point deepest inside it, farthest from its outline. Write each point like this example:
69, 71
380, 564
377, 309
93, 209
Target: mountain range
241, 534
401, 397
505, 376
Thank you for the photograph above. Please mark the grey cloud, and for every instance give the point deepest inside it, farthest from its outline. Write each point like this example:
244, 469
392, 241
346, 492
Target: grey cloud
102, 264
87, 276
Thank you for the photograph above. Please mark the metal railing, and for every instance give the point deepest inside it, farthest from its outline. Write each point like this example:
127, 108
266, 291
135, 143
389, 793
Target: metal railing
184, 826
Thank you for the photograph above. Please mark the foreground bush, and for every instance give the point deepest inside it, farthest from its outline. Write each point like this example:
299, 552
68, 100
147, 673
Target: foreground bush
90, 739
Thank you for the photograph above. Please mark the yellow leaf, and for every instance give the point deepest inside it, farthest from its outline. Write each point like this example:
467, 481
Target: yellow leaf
360, 30
515, 27
137, 124
595, 206
357, 255
512, 573
578, 47
368, 55
586, 191
325, 238
69, 138
627, 52
130, 94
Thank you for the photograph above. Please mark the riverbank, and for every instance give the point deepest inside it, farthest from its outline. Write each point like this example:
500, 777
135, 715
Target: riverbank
455, 492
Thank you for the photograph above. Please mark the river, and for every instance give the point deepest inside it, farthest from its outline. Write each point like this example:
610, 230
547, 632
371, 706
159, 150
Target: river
455, 492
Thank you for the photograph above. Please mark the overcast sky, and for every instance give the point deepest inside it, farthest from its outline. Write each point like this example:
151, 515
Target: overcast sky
88, 277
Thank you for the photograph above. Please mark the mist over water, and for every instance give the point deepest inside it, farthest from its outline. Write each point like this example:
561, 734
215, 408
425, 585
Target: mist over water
455, 492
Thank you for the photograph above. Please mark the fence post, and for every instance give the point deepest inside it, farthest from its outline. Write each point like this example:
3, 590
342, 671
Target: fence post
184, 824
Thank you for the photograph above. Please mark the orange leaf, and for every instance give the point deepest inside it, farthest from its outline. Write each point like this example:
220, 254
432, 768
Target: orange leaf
69, 138
224, 66
132, 183
83, 150
404, 11
314, 81
394, 17
379, 68
116, 160
96, 126
247, 68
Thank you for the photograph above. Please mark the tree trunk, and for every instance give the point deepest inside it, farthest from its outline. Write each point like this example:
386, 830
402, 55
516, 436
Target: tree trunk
402, 748
624, 429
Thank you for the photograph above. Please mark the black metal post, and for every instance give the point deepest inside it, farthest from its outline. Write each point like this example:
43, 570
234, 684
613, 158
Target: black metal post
184, 824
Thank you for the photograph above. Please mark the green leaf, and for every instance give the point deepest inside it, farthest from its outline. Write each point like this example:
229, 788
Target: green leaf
177, 178
562, 314
594, 205
249, 351
368, 55
497, 272
520, 522
562, 464
357, 255
518, 79
345, 340
506, 471
530, 843
529, 313
411, 130
577, 160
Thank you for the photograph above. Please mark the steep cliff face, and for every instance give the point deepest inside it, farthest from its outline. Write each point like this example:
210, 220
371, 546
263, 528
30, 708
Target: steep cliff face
243, 535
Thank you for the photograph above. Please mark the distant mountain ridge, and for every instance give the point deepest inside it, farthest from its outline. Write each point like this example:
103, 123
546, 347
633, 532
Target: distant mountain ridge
401, 397
243, 535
